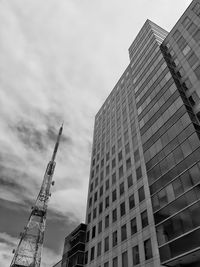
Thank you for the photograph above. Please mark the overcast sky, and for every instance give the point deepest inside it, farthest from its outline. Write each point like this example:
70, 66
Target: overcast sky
59, 60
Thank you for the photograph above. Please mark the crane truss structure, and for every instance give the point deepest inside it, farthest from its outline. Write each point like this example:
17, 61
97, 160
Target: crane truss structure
28, 251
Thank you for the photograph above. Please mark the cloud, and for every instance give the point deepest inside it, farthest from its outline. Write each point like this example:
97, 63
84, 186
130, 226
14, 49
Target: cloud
59, 60
7, 243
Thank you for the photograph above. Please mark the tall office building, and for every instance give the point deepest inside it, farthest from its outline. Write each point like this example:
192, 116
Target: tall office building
143, 204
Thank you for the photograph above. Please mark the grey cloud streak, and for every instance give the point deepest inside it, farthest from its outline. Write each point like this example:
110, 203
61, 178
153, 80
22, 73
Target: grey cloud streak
58, 62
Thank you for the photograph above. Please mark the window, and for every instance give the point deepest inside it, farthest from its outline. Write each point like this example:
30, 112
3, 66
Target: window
89, 217
130, 180
107, 184
187, 84
101, 191
96, 182
141, 194
113, 150
101, 176
106, 264
121, 189
94, 213
114, 238
186, 22
107, 156
181, 43
191, 100
120, 156
131, 202
90, 202
148, 249
176, 35
186, 50
119, 142
122, 209
121, 172
136, 155
91, 187
92, 254
192, 59
106, 244
128, 164
114, 195
98, 249
123, 233
100, 227
93, 231
124, 259
95, 197
88, 236
196, 36
106, 221
107, 202
126, 136
127, 148
114, 215
114, 178
86, 257
196, 9
115, 262
133, 226
144, 218
113, 163
100, 207
102, 162
197, 72
107, 170
138, 172
136, 256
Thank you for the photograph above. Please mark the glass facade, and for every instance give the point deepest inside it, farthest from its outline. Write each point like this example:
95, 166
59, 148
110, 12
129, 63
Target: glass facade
143, 204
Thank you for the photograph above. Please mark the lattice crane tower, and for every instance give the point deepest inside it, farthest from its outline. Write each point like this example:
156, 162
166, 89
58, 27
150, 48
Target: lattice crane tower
28, 252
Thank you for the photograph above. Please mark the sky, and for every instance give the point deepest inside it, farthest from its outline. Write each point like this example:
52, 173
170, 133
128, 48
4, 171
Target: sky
59, 60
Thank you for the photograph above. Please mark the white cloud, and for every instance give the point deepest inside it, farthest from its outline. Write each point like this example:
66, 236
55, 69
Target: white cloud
58, 61
8, 243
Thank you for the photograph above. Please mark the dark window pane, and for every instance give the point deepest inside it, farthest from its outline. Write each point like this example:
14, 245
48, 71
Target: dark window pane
122, 209
123, 233
133, 226
136, 256
124, 259
138, 173
141, 194
148, 249
130, 180
131, 201
114, 238
144, 218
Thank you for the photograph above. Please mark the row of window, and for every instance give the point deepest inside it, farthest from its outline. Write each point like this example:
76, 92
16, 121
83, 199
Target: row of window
175, 171
107, 159
173, 190
154, 96
141, 195
120, 172
114, 135
173, 137
159, 105
178, 204
174, 158
105, 188
133, 228
114, 115
124, 259
179, 224
162, 117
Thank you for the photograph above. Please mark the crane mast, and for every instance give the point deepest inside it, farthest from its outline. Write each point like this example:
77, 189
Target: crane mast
28, 251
